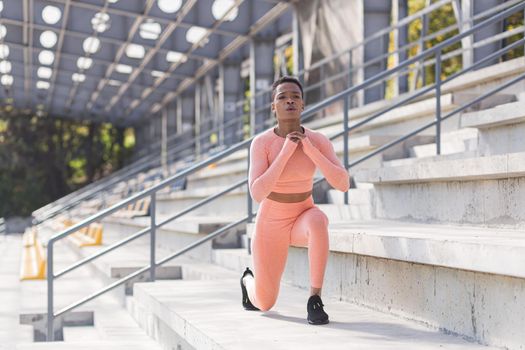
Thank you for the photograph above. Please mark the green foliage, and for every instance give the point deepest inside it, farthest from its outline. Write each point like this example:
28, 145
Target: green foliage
42, 159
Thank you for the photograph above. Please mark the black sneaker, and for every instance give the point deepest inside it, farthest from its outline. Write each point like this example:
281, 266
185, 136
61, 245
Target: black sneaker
316, 314
246, 303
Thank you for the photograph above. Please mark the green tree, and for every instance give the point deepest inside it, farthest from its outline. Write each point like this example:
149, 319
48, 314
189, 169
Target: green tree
42, 159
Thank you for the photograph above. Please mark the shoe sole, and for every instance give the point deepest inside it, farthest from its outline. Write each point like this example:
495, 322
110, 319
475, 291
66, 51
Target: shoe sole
318, 323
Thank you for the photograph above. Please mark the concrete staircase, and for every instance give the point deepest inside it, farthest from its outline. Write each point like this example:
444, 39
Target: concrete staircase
428, 254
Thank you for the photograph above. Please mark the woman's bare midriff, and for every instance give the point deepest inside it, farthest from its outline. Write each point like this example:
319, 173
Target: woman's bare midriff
289, 197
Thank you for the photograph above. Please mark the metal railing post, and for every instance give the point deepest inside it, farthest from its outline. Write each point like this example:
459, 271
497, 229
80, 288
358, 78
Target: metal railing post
345, 138
438, 102
153, 229
50, 306
248, 197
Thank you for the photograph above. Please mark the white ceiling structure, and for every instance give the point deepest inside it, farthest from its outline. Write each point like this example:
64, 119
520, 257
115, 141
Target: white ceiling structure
120, 60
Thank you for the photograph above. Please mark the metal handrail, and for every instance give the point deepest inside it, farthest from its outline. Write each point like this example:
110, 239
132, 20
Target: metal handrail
149, 161
344, 95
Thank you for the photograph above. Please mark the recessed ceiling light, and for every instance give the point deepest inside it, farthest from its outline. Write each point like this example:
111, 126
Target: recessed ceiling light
44, 72
91, 44
1, 6
150, 30
51, 14
100, 22
6, 80
4, 51
124, 68
84, 63
157, 73
112, 1
135, 51
3, 31
5, 67
169, 6
174, 57
46, 57
114, 82
78, 78
42, 85
195, 34
48, 39
220, 7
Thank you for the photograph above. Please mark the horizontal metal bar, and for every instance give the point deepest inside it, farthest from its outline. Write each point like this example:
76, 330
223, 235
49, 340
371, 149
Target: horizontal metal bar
147, 192
433, 123
103, 252
379, 77
201, 241
203, 202
100, 292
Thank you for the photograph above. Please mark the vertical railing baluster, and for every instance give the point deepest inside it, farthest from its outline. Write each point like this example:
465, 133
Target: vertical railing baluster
248, 197
50, 306
345, 138
153, 229
438, 102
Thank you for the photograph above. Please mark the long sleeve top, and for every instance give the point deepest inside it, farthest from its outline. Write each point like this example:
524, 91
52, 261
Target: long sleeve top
280, 165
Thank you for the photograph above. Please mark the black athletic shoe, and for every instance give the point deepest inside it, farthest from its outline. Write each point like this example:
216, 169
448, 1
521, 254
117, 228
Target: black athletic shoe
316, 314
246, 303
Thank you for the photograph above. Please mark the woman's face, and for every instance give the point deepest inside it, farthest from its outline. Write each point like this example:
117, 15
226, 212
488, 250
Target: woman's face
288, 102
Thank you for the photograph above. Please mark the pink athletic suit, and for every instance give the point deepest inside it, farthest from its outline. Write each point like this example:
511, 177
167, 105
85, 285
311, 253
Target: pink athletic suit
278, 164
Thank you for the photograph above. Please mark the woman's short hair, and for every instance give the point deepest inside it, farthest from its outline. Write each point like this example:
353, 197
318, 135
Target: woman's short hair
286, 79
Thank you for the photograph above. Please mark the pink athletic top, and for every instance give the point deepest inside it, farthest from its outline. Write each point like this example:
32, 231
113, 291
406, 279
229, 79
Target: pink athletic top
280, 165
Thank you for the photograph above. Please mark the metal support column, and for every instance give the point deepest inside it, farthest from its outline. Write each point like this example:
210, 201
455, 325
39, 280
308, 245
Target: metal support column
230, 93
261, 76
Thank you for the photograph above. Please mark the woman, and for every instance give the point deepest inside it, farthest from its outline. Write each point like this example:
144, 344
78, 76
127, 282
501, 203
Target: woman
282, 164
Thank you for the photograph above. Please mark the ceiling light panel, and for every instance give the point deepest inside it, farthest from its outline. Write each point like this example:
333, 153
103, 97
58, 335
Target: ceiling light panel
221, 7
195, 34
91, 45
46, 57
169, 6
100, 22
6, 80
3, 32
44, 72
84, 63
48, 39
123, 68
5, 67
51, 14
150, 30
135, 51
4, 51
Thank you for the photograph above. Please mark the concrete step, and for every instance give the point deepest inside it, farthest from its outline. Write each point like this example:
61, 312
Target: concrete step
235, 260
11, 331
501, 129
90, 345
480, 190
457, 141
455, 278
178, 315
231, 204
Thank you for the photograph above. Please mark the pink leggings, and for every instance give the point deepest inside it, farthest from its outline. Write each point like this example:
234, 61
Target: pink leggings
279, 225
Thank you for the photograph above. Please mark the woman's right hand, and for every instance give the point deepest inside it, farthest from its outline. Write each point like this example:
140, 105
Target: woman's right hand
295, 136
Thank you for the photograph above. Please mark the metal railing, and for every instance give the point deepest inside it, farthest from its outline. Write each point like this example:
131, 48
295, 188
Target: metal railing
3, 228
342, 96
178, 150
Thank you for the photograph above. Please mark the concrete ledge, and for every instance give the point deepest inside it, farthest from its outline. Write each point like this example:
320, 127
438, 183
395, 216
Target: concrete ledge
507, 114
495, 251
479, 168
207, 315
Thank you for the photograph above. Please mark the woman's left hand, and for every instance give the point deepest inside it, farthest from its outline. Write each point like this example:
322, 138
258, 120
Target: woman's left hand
296, 136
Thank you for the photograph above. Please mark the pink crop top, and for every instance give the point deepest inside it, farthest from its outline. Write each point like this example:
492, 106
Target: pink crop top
280, 165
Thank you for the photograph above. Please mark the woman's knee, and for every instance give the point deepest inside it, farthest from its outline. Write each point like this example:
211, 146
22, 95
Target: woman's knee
318, 220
